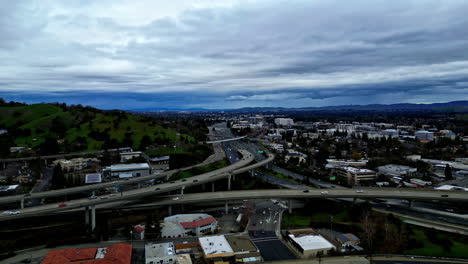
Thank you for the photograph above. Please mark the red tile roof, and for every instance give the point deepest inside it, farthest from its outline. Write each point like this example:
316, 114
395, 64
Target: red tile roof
116, 254
186, 245
201, 222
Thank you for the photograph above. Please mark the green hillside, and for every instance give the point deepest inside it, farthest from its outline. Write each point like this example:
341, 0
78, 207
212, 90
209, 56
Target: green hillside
80, 128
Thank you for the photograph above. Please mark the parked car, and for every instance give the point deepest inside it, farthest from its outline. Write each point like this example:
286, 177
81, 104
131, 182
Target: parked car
62, 205
92, 197
175, 198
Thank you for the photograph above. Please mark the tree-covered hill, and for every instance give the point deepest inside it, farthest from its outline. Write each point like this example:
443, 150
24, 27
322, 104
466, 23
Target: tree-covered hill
55, 128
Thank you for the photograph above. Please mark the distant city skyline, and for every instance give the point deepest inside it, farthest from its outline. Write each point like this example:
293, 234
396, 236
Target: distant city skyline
232, 54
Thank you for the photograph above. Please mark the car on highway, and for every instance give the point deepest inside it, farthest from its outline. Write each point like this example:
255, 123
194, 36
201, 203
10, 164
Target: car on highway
28, 194
184, 180
359, 191
175, 198
92, 197
157, 189
11, 212
444, 195
324, 192
261, 222
235, 208
172, 182
195, 180
62, 205
306, 191
104, 197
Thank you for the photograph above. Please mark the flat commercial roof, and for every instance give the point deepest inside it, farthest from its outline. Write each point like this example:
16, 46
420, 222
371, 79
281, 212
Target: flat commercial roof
159, 250
214, 245
312, 242
241, 244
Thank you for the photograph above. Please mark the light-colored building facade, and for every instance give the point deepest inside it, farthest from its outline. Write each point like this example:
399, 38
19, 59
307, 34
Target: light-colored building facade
163, 253
284, 122
75, 164
396, 170
216, 249
308, 243
355, 176
127, 170
126, 156
424, 135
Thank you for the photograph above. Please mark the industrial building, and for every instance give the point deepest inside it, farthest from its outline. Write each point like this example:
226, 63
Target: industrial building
308, 243
188, 225
163, 253
127, 170
346, 163
75, 164
116, 254
216, 249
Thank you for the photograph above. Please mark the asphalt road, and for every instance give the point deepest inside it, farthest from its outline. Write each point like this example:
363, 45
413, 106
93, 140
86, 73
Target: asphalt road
271, 248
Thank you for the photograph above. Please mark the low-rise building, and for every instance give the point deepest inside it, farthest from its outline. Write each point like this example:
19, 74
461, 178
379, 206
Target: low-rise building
308, 243
347, 163
355, 176
424, 135
216, 249
116, 254
284, 122
127, 170
184, 259
188, 225
162, 253
76, 164
244, 249
126, 156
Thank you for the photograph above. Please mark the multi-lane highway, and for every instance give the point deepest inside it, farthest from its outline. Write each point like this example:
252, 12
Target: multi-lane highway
223, 173
394, 193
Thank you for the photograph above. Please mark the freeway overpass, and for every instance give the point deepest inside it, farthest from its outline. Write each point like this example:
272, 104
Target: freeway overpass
224, 140
93, 187
391, 193
223, 173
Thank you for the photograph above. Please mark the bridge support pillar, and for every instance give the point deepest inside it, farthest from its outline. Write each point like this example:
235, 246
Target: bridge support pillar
229, 182
93, 193
182, 190
411, 203
290, 206
139, 185
93, 218
354, 200
252, 173
226, 208
268, 165
203, 187
22, 203
212, 187
169, 210
87, 216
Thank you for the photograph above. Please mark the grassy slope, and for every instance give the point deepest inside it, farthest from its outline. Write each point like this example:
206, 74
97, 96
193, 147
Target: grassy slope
38, 118
458, 249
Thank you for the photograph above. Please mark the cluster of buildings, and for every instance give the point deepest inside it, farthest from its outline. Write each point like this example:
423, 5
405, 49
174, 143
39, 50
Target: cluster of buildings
213, 249
115, 254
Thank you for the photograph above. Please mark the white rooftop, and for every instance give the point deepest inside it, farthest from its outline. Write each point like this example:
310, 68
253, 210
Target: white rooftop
159, 250
215, 245
312, 242
131, 166
356, 170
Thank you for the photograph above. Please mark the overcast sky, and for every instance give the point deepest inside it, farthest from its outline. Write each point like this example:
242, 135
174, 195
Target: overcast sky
132, 54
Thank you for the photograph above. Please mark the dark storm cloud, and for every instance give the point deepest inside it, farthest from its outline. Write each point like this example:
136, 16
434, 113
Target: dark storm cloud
235, 53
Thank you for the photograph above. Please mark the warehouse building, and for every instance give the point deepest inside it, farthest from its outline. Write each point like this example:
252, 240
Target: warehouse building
308, 243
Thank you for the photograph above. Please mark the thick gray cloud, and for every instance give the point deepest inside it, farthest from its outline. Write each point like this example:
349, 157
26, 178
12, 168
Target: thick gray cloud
237, 53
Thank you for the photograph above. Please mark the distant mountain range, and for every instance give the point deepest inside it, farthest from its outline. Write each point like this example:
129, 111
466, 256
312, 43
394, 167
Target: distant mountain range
455, 106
